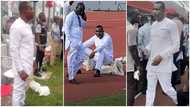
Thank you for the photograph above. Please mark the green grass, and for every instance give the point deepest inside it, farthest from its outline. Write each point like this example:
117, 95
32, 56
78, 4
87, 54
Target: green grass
116, 100
55, 83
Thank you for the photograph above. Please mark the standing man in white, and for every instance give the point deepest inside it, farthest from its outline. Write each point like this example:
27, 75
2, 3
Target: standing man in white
103, 53
73, 26
67, 8
164, 42
22, 52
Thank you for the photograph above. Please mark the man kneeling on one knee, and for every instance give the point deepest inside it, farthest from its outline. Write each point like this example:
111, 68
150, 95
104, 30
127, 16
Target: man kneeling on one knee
103, 53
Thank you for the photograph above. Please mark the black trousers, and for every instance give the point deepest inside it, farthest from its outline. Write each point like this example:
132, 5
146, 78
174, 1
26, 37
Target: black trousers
142, 84
64, 37
39, 58
176, 74
183, 98
131, 88
61, 56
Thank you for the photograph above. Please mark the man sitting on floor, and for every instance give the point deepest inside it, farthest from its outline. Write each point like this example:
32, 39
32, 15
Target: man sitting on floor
103, 53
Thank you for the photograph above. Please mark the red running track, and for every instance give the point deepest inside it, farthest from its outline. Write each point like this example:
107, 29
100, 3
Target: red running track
114, 24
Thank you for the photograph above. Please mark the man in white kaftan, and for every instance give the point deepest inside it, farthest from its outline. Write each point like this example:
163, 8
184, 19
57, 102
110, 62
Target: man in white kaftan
22, 52
103, 53
164, 42
73, 27
67, 8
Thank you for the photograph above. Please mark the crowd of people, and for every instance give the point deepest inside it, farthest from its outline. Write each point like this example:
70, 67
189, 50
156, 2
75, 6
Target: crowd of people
157, 51
45, 42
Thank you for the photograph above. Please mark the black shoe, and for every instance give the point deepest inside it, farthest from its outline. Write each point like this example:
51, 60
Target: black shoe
97, 73
37, 74
79, 72
74, 81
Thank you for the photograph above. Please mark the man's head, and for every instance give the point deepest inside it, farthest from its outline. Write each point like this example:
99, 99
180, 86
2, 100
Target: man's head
42, 17
135, 17
80, 8
144, 19
135, 14
71, 2
158, 10
147, 19
135, 21
25, 10
99, 31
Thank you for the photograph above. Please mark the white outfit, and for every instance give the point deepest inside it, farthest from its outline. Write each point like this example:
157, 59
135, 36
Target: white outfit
74, 32
179, 25
21, 51
104, 50
66, 10
164, 41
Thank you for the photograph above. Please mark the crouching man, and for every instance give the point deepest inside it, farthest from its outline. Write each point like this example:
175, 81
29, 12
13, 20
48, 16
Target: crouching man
103, 53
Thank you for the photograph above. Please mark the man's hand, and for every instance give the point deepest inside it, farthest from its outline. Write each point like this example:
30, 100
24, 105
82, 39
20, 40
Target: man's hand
23, 75
84, 16
157, 60
92, 55
145, 51
136, 75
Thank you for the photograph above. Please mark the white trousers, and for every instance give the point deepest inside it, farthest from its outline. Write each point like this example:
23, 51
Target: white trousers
100, 58
164, 79
19, 89
75, 58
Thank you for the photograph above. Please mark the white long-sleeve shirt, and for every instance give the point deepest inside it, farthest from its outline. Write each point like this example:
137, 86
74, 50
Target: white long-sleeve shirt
66, 10
73, 30
103, 44
164, 41
22, 46
179, 25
